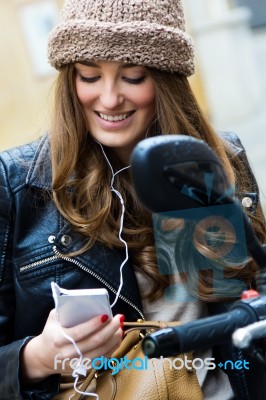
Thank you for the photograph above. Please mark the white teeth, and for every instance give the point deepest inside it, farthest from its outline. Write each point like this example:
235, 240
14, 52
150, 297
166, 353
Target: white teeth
114, 118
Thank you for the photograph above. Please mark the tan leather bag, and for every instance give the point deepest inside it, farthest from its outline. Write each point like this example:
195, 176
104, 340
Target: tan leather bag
159, 381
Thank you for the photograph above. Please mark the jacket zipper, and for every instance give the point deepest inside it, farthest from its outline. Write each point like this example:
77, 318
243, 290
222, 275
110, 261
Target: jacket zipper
81, 266
77, 263
38, 263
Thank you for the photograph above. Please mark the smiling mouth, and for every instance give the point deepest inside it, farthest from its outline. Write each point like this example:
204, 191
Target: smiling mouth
114, 118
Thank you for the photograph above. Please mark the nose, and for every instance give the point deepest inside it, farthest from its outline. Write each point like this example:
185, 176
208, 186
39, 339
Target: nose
111, 96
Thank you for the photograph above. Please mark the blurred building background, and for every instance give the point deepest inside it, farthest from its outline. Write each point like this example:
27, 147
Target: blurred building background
230, 37
230, 82
25, 76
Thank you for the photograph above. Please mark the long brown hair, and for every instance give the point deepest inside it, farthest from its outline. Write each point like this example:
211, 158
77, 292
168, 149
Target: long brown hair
81, 179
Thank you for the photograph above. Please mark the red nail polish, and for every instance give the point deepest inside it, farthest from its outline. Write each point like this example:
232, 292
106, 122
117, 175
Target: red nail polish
122, 319
104, 318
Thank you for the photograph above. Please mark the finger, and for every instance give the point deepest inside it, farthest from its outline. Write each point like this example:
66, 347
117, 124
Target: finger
107, 348
105, 352
102, 336
77, 333
94, 339
67, 359
98, 325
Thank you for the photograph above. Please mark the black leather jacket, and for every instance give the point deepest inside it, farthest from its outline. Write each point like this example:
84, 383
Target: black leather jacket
32, 236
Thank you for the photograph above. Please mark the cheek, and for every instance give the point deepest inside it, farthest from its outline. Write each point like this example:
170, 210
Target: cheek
147, 97
85, 96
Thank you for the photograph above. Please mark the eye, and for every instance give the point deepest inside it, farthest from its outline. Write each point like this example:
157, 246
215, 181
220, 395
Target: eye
88, 80
134, 81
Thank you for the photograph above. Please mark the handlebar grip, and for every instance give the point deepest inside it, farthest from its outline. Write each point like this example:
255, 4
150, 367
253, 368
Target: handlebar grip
202, 333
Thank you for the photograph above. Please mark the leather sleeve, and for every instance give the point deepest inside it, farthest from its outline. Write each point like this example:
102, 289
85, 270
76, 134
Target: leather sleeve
255, 377
9, 349
238, 153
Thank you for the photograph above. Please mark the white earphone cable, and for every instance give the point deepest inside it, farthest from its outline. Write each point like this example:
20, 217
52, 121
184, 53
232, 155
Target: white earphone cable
121, 220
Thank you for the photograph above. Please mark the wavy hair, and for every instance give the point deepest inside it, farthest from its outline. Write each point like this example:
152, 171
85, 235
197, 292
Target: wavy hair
81, 179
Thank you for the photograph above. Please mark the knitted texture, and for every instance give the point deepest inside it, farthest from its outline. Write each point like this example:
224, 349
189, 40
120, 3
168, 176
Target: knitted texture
143, 32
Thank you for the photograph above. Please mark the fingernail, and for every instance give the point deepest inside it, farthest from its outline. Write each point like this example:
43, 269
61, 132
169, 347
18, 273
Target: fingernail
122, 319
104, 318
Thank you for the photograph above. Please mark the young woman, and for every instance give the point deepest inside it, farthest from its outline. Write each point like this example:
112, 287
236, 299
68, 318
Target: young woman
123, 72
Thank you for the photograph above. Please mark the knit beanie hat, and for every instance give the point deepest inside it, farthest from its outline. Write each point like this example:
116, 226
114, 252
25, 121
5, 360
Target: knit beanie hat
143, 32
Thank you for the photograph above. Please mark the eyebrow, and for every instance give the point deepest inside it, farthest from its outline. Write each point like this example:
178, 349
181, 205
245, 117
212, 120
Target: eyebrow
92, 64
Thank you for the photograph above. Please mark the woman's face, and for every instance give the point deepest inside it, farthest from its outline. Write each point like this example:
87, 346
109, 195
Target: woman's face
118, 101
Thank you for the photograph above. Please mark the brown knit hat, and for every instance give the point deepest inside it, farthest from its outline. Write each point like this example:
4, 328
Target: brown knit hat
143, 32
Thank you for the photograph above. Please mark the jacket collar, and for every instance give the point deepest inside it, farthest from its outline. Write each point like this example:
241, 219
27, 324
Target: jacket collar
40, 170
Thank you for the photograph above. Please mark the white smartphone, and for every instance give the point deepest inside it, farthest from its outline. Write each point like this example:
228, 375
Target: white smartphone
80, 305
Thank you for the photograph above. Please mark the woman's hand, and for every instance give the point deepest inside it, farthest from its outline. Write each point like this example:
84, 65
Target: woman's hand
51, 353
